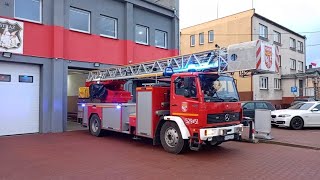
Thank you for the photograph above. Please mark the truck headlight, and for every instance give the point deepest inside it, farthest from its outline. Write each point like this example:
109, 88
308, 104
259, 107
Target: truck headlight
284, 115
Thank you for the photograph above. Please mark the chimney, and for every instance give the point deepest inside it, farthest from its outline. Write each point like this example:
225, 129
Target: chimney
310, 66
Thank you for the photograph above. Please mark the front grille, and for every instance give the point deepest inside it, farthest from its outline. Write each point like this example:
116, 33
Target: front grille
221, 118
273, 116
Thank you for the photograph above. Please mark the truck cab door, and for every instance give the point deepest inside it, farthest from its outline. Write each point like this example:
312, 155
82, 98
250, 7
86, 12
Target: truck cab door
185, 99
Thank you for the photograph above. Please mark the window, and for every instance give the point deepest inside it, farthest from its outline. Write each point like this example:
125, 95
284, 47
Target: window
277, 83
263, 83
108, 27
300, 46
201, 38
317, 107
161, 39
293, 64
263, 31
79, 20
29, 10
292, 44
249, 106
188, 83
261, 105
25, 79
300, 66
277, 37
5, 78
142, 34
210, 36
192, 40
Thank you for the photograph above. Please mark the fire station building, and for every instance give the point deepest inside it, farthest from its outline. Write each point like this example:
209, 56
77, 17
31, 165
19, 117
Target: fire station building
44, 44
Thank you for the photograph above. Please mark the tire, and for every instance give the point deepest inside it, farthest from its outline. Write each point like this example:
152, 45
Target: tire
274, 125
296, 123
171, 139
213, 143
95, 126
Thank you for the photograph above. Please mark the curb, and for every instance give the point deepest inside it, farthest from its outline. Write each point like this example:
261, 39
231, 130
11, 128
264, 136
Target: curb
289, 144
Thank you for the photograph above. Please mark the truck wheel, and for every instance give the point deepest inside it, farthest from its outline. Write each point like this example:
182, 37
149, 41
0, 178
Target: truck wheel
95, 125
171, 139
296, 123
213, 143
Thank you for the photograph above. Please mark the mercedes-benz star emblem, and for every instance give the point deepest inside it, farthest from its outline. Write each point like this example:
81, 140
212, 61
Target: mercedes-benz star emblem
227, 117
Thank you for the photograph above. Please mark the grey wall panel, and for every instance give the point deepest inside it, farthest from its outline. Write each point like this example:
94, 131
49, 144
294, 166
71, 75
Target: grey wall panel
111, 118
154, 21
144, 113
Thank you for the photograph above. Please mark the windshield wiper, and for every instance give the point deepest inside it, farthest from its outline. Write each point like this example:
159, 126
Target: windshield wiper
233, 100
216, 99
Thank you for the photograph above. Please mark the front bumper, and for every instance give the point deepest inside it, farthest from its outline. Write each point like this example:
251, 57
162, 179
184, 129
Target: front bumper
281, 121
222, 133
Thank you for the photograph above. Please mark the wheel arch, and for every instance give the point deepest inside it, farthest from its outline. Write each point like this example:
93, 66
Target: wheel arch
182, 126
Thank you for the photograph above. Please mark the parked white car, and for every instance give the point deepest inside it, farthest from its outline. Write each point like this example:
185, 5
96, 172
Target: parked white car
303, 114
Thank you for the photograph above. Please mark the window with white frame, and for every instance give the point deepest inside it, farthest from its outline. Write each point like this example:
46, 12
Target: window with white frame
263, 31
292, 43
300, 66
277, 83
192, 40
79, 20
277, 37
300, 46
210, 36
293, 65
142, 34
263, 84
201, 38
161, 38
29, 10
108, 27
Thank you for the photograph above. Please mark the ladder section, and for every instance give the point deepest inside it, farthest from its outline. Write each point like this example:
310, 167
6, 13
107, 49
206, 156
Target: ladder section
214, 60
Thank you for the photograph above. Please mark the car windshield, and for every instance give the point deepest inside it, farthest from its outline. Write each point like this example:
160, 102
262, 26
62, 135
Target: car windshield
218, 88
302, 106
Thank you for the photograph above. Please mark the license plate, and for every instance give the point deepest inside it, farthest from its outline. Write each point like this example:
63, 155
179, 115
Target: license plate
228, 137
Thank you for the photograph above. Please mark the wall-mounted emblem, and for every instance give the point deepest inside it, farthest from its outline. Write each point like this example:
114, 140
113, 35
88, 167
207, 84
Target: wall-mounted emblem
11, 36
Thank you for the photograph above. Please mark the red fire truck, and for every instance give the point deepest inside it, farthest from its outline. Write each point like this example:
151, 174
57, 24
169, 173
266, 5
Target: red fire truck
191, 102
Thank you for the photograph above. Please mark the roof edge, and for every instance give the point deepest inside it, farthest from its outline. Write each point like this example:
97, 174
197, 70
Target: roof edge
278, 25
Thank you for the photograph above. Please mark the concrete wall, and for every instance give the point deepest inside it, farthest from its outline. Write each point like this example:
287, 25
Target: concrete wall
269, 94
286, 54
74, 82
237, 27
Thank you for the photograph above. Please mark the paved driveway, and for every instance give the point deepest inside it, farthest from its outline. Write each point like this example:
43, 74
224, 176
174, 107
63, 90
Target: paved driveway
78, 155
309, 137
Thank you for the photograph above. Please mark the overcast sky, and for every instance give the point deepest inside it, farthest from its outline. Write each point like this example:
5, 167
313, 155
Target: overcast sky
297, 15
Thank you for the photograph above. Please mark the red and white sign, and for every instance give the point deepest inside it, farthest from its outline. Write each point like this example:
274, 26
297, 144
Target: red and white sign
268, 58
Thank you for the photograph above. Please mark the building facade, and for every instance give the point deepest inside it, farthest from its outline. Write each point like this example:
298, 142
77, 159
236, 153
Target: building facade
250, 26
42, 39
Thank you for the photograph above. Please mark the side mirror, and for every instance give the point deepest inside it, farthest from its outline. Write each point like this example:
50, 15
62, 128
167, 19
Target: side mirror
315, 110
186, 93
245, 108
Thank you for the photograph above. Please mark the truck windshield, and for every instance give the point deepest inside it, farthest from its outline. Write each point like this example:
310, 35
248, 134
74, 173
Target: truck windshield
217, 88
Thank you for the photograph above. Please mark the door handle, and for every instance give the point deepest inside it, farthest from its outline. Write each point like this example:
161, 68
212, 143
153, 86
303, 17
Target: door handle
174, 105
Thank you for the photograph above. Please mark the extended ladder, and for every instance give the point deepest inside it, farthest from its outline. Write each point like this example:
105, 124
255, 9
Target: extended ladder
214, 59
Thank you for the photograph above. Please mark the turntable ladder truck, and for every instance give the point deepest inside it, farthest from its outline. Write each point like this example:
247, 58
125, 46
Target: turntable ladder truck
192, 102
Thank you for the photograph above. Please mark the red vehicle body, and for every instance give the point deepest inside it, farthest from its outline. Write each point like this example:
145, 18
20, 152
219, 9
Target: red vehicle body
193, 109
